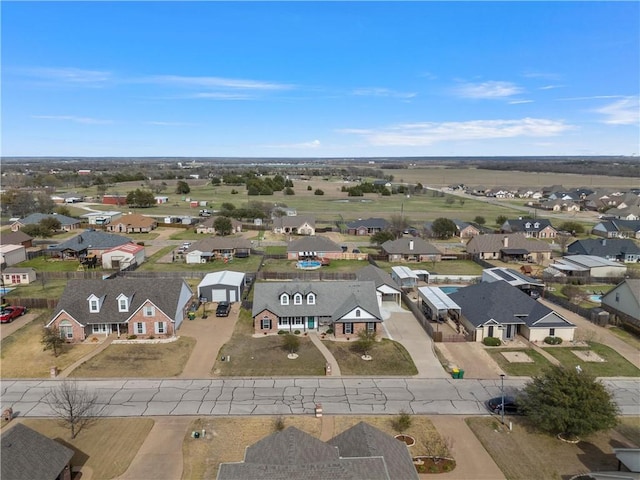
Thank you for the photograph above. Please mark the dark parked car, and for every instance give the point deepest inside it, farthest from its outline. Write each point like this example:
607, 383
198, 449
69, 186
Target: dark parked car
510, 406
223, 309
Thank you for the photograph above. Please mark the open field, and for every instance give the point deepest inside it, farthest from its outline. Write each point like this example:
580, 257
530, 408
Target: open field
23, 357
525, 454
264, 356
230, 436
614, 365
163, 360
105, 448
388, 358
519, 369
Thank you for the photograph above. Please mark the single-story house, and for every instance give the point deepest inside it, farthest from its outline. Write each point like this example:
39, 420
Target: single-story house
133, 223
560, 205
360, 452
623, 302
313, 247
497, 309
145, 307
89, 242
161, 199
436, 305
531, 227
12, 255
404, 277
18, 276
589, 266
386, 287
222, 248
29, 455
16, 238
411, 249
620, 249
102, 218
368, 226
296, 225
346, 306
614, 228
70, 197
123, 256
66, 223
513, 278
206, 226
222, 286
508, 246
629, 213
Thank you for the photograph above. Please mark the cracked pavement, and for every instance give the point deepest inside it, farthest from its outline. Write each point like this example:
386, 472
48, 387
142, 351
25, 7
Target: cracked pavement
288, 396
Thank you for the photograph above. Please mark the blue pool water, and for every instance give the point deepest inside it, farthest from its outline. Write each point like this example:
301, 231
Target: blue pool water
595, 298
449, 290
4, 290
309, 264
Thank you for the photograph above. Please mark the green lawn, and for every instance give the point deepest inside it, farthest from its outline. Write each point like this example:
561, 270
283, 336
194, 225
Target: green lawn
614, 365
50, 289
627, 336
388, 358
519, 369
271, 265
249, 264
46, 264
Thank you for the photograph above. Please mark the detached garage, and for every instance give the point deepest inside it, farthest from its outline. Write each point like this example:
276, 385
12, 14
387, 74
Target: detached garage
222, 286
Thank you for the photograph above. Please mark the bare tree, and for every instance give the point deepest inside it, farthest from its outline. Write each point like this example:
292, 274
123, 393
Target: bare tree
51, 339
74, 406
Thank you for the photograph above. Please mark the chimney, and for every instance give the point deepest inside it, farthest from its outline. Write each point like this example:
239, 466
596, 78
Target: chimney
505, 242
411, 245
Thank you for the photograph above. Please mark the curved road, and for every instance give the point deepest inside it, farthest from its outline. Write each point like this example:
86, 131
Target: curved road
287, 396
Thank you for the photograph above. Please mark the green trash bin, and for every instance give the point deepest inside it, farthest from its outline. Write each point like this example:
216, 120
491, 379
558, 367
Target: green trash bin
461, 374
192, 315
455, 373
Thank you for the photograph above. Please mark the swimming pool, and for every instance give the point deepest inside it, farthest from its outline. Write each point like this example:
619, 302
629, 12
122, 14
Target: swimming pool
449, 290
595, 298
309, 264
4, 290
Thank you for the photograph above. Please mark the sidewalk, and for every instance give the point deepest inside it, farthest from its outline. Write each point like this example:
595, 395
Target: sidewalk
331, 360
105, 343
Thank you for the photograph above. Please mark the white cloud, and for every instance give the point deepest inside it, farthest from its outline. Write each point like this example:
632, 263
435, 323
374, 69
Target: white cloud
621, 112
382, 92
72, 118
488, 90
550, 87
518, 102
428, 133
76, 76
215, 82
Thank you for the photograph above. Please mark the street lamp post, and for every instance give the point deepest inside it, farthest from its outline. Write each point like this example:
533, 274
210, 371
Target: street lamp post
502, 391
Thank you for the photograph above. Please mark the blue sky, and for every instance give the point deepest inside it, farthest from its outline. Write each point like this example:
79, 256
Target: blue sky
320, 79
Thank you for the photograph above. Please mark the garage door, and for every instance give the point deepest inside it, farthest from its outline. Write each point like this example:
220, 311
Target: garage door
218, 295
232, 296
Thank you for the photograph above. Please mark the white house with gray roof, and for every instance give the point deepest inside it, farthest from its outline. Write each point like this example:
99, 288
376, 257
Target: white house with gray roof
346, 306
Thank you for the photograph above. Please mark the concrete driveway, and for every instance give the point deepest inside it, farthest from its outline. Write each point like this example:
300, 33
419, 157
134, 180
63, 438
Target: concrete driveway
7, 329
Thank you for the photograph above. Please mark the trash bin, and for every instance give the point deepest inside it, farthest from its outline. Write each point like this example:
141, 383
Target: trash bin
455, 373
192, 315
461, 374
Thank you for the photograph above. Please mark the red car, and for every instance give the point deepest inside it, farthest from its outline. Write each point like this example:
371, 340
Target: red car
9, 314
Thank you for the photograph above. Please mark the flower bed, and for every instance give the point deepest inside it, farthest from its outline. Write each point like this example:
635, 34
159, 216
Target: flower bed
425, 464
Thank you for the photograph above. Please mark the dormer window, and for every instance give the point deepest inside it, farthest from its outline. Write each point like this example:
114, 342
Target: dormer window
536, 225
311, 299
123, 303
94, 304
527, 225
284, 299
297, 299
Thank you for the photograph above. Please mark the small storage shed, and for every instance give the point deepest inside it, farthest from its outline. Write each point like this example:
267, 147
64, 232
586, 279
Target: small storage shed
222, 286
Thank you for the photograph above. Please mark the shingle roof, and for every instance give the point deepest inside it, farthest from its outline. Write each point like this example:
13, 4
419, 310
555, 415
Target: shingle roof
163, 292
364, 440
29, 455
295, 221
14, 238
504, 304
35, 218
520, 224
212, 244
376, 275
333, 298
604, 247
493, 242
136, 220
313, 244
93, 239
369, 223
403, 246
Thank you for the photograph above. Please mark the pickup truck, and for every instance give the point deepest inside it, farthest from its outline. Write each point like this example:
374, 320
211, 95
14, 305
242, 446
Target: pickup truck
223, 309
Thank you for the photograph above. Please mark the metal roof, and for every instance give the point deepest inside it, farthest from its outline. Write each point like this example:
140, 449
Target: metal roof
436, 297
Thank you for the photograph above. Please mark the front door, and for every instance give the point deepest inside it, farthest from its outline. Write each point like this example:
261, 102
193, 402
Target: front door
311, 322
509, 333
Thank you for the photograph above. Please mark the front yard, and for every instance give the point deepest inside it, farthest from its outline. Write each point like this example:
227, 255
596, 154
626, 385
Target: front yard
388, 358
614, 365
518, 369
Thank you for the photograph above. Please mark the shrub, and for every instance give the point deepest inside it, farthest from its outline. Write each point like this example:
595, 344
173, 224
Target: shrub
552, 340
296, 332
329, 331
282, 332
318, 192
151, 337
402, 422
309, 188
492, 341
132, 337
278, 424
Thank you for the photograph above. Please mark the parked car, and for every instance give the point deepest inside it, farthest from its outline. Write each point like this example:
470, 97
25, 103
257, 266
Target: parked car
494, 405
223, 309
9, 314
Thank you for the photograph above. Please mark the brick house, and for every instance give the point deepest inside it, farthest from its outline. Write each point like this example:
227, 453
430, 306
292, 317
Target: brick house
143, 307
345, 306
133, 223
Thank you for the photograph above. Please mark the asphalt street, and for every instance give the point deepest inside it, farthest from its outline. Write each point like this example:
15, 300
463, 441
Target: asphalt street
287, 396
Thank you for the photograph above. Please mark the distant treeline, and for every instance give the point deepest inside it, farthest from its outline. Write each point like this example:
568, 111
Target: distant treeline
629, 167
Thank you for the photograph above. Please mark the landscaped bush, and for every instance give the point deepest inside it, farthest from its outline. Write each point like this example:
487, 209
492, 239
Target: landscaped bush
297, 332
552, 340
329, 331
282, 332
492, 341
132, 337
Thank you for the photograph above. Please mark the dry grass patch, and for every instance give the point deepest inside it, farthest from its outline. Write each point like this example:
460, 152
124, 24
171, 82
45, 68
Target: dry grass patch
525, 454
23, 355
106, 447
388, 358
226, 438
138, 360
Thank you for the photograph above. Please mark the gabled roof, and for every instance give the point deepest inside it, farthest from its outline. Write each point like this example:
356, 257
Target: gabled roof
527, 224
410, 246
377, 276
619, 225
136, 220
380, 223
92, 239
333, 298
19, 270
494, 242
224, 277
35, 218
509, 275
29, 455
163, 292
504, 304
294, 221
130, 248
14, 238
604, 247
313, 244
208, 223
632, 285
364, 440
211, 244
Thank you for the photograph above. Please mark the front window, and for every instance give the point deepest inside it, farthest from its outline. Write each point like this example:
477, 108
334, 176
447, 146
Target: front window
149, 311
552, 332
371, 326
123, 304
298, 321
348, 328
161, 327
140, 328
66, 330
266, 324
